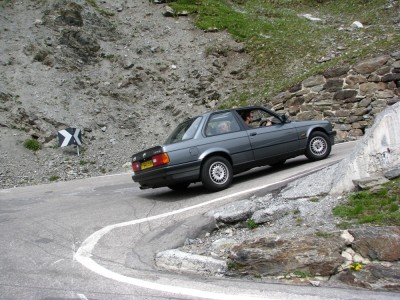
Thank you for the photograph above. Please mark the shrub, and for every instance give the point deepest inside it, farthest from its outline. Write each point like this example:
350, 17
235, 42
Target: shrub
251, 224
232, 265
54, 178
32, 144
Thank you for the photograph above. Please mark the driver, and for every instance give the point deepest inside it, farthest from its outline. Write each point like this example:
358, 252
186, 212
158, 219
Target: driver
248, 119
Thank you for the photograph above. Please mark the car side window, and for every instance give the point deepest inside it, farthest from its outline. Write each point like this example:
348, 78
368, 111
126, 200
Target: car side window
220, 123
255, 118
184, 131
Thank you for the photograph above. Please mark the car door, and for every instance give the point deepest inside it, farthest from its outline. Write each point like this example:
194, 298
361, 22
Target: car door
273, 141
223, 133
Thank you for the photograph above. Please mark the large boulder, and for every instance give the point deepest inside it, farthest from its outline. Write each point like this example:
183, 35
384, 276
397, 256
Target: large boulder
176, 260
371, 65
274, 256
373, 276
234, 212
377, 243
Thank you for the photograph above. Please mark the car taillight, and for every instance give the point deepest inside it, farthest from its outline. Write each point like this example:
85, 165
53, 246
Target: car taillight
136, 166
156, 160
160, 159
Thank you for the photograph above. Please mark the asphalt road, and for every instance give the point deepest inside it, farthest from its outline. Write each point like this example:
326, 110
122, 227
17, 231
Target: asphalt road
96, 239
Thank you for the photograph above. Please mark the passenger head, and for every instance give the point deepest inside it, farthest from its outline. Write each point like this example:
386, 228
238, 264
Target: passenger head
223, 127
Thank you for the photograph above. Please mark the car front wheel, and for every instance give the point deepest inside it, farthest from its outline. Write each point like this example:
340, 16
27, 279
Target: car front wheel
318, 146
216, 173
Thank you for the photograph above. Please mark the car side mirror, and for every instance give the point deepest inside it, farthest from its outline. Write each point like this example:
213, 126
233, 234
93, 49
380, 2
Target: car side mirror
285, 119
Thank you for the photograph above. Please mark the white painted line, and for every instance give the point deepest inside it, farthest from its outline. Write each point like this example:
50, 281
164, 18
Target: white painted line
82, 296
84, 253
57, 261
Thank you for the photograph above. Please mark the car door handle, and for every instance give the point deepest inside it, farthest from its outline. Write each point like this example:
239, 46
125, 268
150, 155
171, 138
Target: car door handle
253, 133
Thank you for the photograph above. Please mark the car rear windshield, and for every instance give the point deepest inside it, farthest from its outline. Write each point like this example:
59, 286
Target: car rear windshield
184, 131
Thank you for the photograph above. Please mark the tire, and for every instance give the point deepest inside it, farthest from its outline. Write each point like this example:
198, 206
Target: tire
216, 173
318, 147
179, 186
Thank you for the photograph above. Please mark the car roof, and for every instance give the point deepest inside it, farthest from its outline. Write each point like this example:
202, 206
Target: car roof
232, 109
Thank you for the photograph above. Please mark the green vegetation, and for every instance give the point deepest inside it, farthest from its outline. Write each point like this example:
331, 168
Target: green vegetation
32, 144
83, 162
232, 265
380, 208
217, 49
287, 48
323, 234
356, 266
54, 178
299, 221
98, 9
302, 274
344, 225
251, 224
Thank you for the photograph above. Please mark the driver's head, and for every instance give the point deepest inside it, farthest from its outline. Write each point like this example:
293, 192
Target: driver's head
248, 117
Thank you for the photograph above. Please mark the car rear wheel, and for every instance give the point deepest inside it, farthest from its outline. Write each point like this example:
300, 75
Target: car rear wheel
216, 173
318, 146
179, 186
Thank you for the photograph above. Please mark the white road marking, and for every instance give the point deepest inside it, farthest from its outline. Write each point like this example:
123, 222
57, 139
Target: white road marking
82, 296
84, 253
57, 261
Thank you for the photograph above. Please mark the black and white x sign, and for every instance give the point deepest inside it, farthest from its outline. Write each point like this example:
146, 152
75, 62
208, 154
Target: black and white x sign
69, 136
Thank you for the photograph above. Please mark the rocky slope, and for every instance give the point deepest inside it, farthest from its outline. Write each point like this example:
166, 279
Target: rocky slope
292, 234
122, 72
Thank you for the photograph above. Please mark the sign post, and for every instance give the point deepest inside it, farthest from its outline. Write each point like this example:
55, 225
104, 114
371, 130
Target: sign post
70, 136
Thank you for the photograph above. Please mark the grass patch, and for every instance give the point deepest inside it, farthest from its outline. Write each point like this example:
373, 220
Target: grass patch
83, 162
380, 208
232, 265
299, 221
54, 178
251, 224
344, 225
287, 48
323, 234
302, 274
32, 145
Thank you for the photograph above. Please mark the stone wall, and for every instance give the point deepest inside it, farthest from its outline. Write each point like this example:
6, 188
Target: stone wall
349, 96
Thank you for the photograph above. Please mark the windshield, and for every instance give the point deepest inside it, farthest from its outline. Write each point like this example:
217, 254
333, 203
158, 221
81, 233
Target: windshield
184, 131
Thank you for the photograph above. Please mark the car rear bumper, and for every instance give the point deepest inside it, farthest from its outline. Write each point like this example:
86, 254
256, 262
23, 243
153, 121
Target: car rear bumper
168, 175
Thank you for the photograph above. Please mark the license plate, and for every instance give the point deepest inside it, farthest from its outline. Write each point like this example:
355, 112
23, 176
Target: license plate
146, 164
